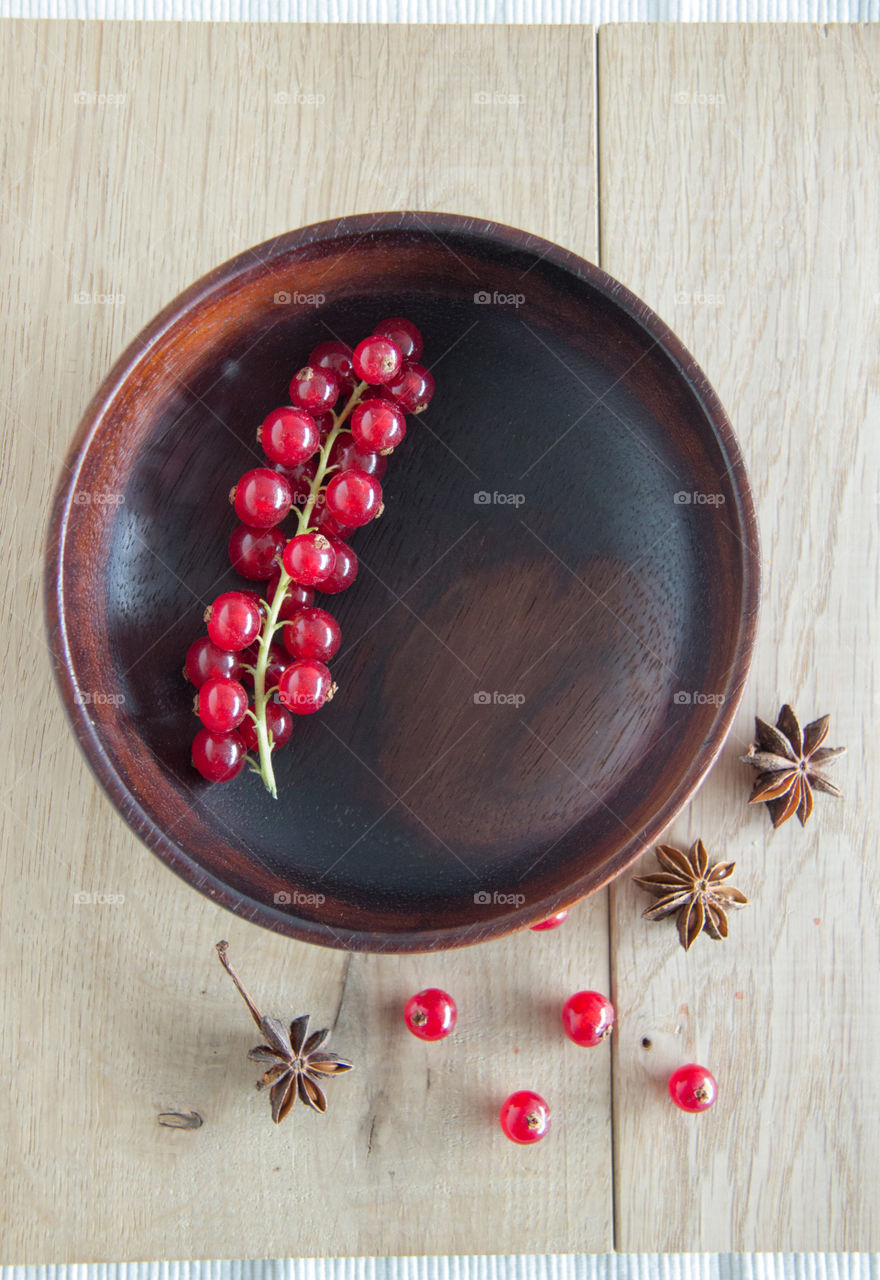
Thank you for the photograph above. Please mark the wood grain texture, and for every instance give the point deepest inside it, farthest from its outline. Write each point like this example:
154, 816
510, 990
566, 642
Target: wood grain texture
190, 143
739, 197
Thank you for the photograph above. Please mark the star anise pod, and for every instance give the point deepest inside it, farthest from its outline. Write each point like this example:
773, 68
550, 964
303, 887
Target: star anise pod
298, 1068
790, 763
689, 888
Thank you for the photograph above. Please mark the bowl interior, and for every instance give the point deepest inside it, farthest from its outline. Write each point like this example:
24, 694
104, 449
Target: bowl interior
551, 622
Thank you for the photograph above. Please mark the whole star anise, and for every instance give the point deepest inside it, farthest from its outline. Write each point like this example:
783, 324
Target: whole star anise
297, 1065
790, 762
693, 890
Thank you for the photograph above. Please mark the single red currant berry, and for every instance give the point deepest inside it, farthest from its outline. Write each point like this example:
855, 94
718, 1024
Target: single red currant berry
348, 456
525, 1117
234, 620
403, 334
295, 597
431, 1014
312, 633
254, 552
335, 358
323, 421
377, 425
314, 389
279, 723
376, 360
587, 1017
309, 558
413, 388
552, 922
330, 526
344, 570
305, 686
353, 497
693, 1088
219, 757
289, 436
262, 498
204, 660
221, 704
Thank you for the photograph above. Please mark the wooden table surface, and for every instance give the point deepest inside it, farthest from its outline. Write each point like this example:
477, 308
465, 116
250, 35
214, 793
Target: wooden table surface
728, 175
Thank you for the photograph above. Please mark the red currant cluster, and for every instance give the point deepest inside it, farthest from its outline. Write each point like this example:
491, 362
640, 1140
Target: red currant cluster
587, 1019
328, 451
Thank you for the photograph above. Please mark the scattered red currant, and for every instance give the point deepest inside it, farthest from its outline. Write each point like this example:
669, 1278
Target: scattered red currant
525, 1117
377, 425
431, 1014
344, 570
309, 558
353, 497
693, 1088
335, 358
204, 660
289, 436
221, 704
376, 360
312, 633
552, 922
262, 498
587, 1017
279, 722
403, 334
234, 620
305, 686
255, 552
219, 757
314, 389
413, 388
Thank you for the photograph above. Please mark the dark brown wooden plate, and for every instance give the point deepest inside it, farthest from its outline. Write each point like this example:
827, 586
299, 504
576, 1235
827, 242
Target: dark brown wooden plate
553, 620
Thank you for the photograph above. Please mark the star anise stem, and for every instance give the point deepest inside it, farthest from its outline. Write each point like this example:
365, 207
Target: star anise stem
222, 950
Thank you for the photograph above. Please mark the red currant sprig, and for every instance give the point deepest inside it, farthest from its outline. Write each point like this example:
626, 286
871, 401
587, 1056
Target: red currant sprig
326, 469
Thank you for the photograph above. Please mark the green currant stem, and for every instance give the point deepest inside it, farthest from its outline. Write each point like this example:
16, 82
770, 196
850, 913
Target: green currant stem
271, 625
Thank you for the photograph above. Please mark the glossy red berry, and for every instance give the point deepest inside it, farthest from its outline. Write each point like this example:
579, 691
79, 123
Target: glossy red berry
279, 722
312, 633
221, 704
327, 524
295, 597
219, 757
413, 388
377, 425
262, 498
254, 552
376, 360
431, 1014
305, 686
693, 1088
403, 334
314, 389
349, 456
234, 620
335, 358
277, 660
525, 1117
353, 498
289, 436
204, 660
587, 1017
344, 570
552, 922
309, 558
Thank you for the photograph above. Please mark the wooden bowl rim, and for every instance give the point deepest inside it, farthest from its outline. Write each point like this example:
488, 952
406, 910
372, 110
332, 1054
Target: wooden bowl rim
258, 259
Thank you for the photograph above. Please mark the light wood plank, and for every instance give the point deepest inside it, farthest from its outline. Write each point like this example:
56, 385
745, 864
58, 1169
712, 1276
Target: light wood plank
113, 1013
739, 197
